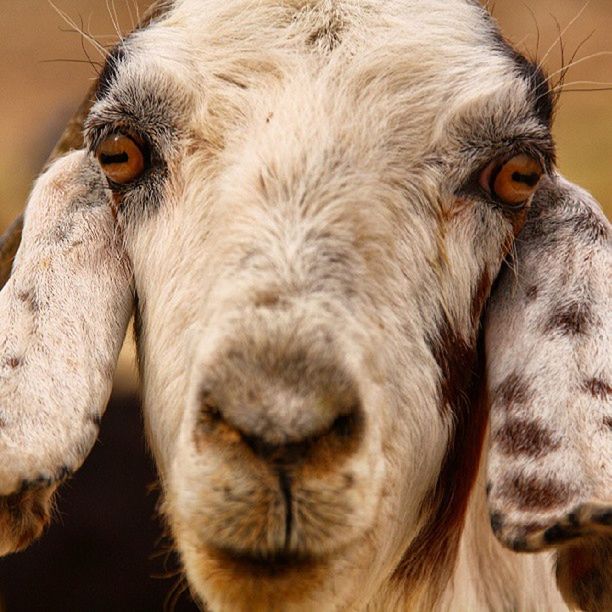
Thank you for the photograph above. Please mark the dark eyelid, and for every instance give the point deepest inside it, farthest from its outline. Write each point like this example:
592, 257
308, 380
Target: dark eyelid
96, 131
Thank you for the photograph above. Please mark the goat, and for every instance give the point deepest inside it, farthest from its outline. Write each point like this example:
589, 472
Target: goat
372, 319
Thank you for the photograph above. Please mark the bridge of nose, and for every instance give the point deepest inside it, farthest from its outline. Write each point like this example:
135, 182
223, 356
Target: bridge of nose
281, 416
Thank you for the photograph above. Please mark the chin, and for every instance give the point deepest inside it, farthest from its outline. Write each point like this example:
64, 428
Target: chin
230, 582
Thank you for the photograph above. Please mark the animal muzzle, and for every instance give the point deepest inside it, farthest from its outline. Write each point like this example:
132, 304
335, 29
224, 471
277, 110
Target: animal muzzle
274, 463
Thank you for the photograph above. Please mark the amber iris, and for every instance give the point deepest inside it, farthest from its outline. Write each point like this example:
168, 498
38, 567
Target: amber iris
121, 158
514, 181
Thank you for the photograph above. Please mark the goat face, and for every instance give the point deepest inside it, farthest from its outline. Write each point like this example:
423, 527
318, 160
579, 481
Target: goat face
311, 252
313, 236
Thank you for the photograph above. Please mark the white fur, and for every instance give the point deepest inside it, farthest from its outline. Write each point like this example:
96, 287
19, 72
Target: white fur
313, 214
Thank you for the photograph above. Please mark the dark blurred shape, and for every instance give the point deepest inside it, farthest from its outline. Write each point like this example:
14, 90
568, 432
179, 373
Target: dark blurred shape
104, 550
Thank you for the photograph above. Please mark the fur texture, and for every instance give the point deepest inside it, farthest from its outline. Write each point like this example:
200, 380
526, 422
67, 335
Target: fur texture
312, 254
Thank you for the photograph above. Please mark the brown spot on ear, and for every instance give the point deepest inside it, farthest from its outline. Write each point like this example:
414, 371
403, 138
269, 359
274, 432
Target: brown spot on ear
531, 493
13, 362
512, 390
597, 388
29, 299
608, 422
572, 320
519, 437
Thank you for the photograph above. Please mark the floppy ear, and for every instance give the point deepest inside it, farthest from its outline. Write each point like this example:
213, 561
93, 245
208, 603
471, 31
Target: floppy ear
548, 338
63, 316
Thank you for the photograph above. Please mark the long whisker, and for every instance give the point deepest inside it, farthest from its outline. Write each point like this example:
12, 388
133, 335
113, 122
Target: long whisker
128, 6
113, 18
535, 21
69, 21
579, 61
572, 83
562, 33
70, 60
586, 89
565, 68
85, 48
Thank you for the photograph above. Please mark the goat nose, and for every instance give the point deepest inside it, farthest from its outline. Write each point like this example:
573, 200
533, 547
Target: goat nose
277, 407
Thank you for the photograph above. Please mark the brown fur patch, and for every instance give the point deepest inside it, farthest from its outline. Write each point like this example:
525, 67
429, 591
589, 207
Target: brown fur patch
518, 437
433, 551
608, 422
531, 493
572, 319
24, 516
481, 294
512, 390
598, 388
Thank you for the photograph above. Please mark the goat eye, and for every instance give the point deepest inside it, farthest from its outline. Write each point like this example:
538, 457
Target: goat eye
121, 158
514, 181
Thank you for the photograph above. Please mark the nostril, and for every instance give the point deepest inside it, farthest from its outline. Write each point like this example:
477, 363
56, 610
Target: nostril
284, 414
345, 425
211, 411
210, 420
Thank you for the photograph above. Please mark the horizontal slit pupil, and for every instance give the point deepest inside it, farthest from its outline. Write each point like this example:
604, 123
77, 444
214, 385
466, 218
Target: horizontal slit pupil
117, 158
531, 180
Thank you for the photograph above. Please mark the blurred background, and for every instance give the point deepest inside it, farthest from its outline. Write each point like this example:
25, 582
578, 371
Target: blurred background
106, 550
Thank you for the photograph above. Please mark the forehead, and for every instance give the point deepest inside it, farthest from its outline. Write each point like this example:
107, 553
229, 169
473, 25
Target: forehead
401, 62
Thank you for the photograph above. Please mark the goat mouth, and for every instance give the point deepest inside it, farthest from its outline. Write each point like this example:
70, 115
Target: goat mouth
268, 567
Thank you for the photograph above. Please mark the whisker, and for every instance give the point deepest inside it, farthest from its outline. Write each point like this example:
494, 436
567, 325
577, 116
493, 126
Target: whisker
585, 89
579, 61
128, 6
98, 37
563, 32
69, 21
70, 60
112, 12
137, 10
572, 83
561, 43
535, 21
85, 50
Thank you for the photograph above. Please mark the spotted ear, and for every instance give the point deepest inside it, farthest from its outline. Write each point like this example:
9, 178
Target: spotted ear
548, 339
63, 316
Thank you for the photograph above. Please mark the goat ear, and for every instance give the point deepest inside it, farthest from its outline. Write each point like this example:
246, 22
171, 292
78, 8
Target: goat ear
63, 316
548, 337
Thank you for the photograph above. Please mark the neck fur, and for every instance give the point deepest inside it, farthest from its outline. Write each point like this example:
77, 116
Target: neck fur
482, 575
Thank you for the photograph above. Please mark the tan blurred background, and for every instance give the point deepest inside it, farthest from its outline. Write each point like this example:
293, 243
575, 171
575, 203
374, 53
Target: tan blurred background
102, 542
